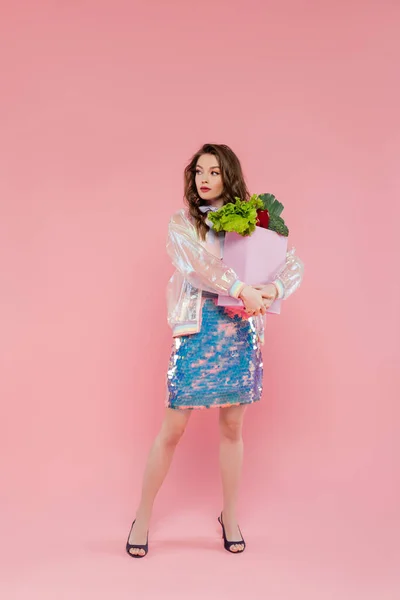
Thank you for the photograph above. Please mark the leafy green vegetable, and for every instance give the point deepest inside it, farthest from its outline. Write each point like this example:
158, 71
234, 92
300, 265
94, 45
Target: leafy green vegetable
271, 204
239, 216
277, 224
274, 208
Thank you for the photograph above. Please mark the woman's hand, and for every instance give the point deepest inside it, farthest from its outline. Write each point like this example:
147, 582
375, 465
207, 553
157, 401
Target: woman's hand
253, 301
269, 293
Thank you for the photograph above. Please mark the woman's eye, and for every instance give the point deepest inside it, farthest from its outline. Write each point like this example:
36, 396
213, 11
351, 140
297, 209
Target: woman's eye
199, 172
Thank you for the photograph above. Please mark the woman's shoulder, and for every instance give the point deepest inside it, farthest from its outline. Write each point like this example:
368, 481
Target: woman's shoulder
180, 212
181, 217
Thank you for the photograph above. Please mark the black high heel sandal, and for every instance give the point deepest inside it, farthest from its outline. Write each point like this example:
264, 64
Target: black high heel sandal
228, 544
144, 547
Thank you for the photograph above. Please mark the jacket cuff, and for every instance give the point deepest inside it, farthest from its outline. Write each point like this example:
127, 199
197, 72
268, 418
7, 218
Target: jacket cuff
280, 287
236, 288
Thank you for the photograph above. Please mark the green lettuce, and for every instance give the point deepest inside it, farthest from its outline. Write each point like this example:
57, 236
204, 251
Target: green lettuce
239, 216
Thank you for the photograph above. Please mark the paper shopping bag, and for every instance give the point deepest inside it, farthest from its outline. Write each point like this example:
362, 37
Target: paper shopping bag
256, 259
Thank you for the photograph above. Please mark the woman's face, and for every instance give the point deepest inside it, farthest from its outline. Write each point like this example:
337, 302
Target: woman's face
208, 177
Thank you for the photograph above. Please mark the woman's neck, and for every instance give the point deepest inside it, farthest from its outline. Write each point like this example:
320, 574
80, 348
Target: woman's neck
217, 203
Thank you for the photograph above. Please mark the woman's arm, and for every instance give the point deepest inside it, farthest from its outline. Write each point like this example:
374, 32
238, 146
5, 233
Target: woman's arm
202, 269
290, 276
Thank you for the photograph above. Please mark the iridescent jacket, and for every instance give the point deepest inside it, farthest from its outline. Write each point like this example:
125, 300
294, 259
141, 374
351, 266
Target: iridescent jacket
199, 268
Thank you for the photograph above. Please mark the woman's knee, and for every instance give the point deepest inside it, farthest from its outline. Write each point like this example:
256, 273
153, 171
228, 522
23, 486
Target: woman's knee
231, 428
173, 428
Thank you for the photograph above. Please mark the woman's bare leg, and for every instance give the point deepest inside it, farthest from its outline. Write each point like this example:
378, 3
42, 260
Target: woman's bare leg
231, 459
157, 467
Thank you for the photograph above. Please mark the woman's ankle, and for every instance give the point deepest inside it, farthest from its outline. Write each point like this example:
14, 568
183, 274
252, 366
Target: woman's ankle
143, 514
229, 514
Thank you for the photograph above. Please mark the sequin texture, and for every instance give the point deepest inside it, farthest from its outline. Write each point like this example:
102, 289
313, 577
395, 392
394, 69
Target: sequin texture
219, 366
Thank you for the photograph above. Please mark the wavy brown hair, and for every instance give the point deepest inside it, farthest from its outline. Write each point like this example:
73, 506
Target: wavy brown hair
232, 179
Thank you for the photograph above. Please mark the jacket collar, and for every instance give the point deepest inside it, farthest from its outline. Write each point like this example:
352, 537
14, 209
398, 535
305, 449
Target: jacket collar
207, 208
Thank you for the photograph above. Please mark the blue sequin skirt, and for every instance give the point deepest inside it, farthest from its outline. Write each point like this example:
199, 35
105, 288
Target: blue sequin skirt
221, 365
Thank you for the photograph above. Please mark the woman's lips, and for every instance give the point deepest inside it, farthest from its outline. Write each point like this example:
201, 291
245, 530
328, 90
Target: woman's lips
205, 189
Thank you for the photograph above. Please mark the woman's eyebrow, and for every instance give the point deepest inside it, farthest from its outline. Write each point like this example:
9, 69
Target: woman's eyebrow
216, 167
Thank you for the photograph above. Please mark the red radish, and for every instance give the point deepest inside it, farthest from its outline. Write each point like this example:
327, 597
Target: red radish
262, 218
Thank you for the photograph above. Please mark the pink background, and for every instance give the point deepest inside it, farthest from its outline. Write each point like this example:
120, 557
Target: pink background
101, 105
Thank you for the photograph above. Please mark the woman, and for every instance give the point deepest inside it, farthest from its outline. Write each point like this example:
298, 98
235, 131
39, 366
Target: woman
216, 358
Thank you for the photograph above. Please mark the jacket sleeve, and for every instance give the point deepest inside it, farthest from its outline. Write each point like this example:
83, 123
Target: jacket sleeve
290, 276
202, 269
